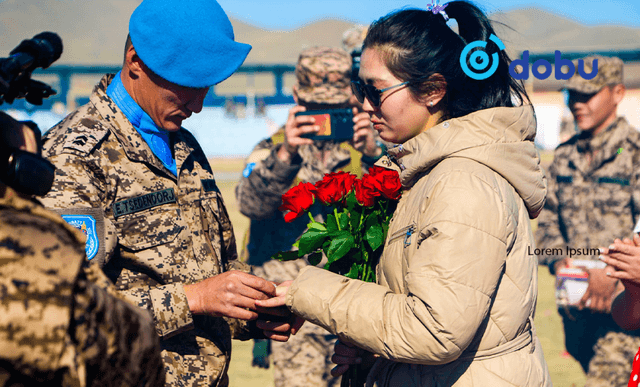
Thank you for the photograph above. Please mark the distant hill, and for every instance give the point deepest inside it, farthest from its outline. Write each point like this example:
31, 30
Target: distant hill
94, 32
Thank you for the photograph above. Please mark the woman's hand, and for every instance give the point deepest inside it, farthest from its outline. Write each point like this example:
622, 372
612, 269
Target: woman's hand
624, 257
278, 330
346, 354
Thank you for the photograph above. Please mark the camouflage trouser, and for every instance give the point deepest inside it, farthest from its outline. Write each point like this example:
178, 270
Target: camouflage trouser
603, 349
611, 364
305, 360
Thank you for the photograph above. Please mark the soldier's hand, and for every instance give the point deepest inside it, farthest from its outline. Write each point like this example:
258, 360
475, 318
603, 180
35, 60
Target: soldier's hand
231, 294
364, 137
293, 130
600, 292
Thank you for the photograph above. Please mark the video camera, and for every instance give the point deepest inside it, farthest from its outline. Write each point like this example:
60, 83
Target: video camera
27, 172
15, 71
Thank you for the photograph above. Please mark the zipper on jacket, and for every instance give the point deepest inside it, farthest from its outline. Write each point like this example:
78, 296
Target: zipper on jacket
407, 238
405, 232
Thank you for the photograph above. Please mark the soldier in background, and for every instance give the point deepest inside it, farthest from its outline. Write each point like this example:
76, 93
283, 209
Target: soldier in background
594, 198
57, 327
284, 160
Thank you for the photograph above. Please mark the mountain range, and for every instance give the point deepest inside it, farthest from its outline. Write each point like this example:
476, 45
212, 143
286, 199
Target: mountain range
94, 32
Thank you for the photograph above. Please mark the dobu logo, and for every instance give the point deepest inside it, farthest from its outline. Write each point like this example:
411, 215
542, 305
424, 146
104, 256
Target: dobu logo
559, 62
480, 61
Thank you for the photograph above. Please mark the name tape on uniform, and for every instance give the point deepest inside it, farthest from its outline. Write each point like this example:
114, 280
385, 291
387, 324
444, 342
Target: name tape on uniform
144, 202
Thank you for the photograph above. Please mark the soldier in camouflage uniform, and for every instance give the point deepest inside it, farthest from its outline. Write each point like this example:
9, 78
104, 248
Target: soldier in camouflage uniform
594, 197
283, 160
57, 327
144, 187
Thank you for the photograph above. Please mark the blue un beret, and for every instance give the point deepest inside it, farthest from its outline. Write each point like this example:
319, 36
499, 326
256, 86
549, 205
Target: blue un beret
189, 43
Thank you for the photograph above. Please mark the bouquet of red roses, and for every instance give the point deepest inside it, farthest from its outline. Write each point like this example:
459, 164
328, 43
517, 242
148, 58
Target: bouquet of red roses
352, 236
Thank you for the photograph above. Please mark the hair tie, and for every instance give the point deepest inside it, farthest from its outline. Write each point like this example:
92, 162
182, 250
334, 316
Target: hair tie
438, 9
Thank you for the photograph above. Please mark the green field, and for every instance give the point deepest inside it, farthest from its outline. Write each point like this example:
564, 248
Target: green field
565, 372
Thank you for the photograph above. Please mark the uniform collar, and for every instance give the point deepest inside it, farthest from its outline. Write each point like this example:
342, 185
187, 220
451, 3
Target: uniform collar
157, 138
134, 146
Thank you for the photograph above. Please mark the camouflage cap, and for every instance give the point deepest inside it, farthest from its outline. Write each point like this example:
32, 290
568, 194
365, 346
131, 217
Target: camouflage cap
354, 37
323, 75
609, 73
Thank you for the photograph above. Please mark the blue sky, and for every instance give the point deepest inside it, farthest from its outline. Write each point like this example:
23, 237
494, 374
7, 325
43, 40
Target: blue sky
288, 14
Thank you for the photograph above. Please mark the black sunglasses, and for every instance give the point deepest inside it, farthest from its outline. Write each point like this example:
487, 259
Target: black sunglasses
362, 90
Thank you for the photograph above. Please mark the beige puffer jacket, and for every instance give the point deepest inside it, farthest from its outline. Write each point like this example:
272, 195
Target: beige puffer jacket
456, 291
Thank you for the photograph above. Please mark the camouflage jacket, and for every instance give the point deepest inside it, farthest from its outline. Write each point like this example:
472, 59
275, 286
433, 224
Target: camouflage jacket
56, 326
259, 194
589, 204
159, 231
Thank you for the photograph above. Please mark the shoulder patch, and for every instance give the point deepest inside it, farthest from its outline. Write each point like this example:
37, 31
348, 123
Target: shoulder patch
86, 224
90, 221
248, 169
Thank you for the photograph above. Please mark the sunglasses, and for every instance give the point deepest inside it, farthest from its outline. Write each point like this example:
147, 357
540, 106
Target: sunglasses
362, 91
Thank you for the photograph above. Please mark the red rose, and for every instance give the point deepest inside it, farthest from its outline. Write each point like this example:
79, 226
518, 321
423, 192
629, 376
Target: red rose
297, 200
387, 181
366, 191
334, 187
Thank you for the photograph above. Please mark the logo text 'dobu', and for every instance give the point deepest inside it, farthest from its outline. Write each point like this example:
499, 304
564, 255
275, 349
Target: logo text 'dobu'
559, 62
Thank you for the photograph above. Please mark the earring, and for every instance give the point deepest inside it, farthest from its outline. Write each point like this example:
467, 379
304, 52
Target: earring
431, 103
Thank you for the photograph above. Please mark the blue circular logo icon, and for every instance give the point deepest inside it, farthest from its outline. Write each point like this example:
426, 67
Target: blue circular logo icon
480, 60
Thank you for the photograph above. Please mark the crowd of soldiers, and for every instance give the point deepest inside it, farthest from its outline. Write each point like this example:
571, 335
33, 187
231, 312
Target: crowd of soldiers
126, 272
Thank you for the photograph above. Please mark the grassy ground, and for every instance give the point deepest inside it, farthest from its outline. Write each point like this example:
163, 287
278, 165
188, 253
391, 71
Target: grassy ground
565, 372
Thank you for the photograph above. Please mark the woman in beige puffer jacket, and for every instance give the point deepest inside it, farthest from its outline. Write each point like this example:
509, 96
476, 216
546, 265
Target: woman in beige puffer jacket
457, 281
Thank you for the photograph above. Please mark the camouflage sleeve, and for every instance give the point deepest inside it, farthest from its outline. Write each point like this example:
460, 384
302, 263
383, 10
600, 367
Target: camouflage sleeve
115, 340
82, 184
78, 184
264, 180
548, 234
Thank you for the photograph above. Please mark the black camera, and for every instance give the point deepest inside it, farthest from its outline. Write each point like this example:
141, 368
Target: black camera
15, 71
26, 172
335, 124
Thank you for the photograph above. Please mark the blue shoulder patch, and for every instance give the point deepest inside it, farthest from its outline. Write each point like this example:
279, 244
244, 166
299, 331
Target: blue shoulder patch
86, 224
248, 169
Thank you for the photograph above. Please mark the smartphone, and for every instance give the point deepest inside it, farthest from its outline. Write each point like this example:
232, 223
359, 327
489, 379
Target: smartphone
335, 124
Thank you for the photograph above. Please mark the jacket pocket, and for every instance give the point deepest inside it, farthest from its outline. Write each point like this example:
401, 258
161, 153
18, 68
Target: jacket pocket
149, 228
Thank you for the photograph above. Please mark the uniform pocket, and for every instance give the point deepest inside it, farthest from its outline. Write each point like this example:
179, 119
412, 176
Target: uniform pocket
149, 228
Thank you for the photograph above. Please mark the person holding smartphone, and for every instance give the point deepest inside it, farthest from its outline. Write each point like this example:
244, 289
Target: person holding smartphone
285, 159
